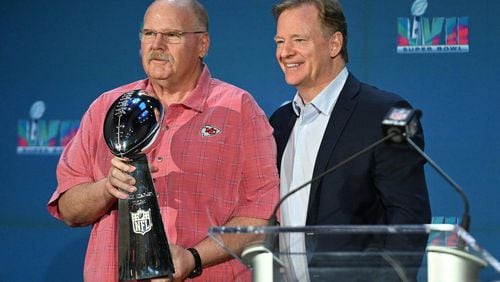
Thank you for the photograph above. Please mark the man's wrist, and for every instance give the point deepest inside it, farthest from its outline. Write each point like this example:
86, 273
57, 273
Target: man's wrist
198, 267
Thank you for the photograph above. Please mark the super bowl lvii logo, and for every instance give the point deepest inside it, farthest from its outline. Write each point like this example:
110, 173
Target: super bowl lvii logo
37, 136
420, 34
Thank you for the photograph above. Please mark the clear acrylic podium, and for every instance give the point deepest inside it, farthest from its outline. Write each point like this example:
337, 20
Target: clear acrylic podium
448, 253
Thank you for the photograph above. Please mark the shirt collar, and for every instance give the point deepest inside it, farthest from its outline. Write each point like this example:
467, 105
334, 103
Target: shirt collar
196, 100
326, 99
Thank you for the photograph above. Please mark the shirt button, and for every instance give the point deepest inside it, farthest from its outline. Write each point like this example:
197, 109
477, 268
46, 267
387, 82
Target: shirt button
165, 128
159, 159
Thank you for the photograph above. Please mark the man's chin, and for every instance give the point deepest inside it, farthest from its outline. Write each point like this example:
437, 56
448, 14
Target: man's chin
159, 74
292, 82
159, 78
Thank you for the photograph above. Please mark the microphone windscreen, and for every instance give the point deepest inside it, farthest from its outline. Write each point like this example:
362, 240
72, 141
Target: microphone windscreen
401, 122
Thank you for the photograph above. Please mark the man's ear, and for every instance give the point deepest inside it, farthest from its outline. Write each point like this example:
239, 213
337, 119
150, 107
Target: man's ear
204, 45
336, 42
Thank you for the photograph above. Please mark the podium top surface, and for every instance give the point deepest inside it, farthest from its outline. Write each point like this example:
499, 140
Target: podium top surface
339, 229
408, 239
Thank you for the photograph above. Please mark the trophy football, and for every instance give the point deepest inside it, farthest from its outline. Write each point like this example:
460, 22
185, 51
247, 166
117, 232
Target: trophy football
131, 127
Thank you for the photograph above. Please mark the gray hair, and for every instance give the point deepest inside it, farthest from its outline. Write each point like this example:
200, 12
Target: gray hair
197, 8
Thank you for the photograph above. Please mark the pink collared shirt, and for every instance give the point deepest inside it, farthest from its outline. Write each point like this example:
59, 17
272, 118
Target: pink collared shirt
216, 158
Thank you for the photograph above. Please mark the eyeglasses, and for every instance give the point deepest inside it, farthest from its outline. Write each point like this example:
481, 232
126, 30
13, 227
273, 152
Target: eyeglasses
173, 37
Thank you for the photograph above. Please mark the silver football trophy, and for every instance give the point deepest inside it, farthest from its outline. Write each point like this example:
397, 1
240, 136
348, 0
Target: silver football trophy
131, 127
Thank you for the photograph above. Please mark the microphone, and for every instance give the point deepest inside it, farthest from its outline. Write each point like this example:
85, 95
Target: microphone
403, 122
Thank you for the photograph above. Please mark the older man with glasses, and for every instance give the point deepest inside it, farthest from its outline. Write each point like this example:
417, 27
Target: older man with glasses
215, 163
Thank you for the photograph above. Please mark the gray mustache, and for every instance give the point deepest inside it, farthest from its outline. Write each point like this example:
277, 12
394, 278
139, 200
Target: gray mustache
154, 55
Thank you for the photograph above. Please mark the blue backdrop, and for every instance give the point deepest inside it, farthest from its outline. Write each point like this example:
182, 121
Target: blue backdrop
66, 53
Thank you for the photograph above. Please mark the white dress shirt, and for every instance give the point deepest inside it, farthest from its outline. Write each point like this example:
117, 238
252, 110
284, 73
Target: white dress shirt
297, 167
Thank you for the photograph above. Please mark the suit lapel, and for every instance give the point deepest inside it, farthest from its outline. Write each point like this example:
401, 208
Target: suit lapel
282, 133
338, 119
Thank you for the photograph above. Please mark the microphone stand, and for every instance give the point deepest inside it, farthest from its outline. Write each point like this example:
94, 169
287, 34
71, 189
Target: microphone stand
403, 122
465, 223
457, 263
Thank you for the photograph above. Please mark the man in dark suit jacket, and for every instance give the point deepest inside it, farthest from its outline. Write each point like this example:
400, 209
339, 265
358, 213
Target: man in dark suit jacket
335, 116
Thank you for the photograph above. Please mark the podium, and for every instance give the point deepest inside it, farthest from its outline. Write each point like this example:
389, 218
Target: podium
428, 252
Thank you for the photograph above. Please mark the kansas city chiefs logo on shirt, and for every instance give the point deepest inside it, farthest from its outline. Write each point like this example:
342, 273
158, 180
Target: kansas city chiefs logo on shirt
209, 131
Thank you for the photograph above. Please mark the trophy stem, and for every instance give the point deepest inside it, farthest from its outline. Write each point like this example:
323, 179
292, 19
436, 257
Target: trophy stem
143, 250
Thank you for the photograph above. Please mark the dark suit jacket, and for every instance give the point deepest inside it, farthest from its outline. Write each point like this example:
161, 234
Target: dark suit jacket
383, 186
